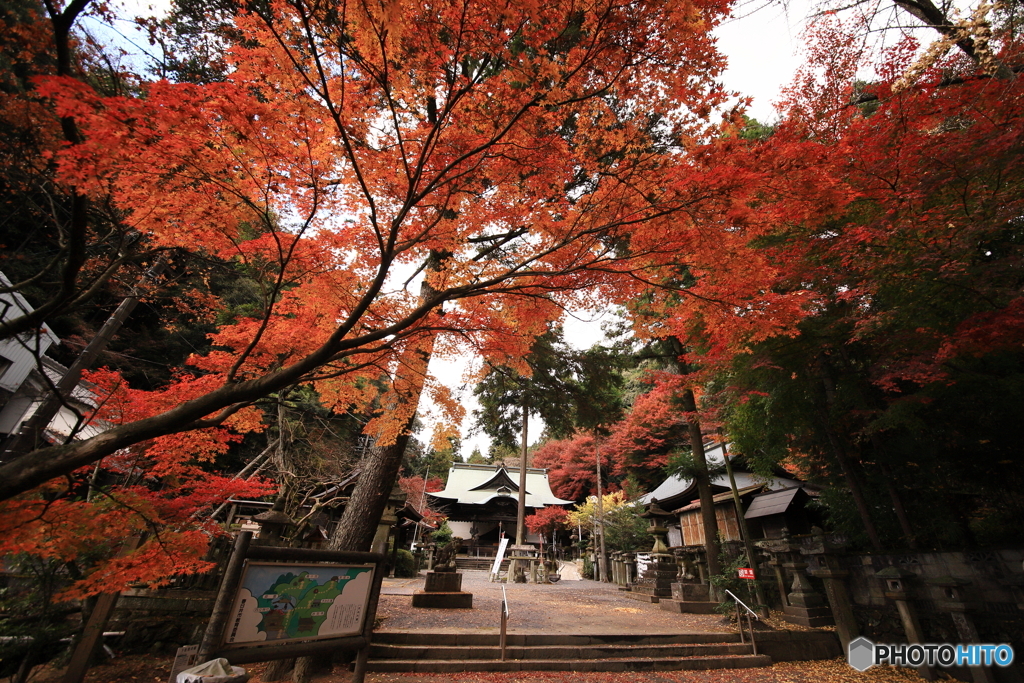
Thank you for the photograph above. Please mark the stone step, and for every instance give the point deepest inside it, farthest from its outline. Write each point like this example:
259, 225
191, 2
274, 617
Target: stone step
478, 563
415, 651
607, 664
549, 639
688, 606
552, 652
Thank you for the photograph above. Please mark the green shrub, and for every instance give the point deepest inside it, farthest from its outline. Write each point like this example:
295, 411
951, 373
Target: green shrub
442, 535
588, 568
405, 564
729, 579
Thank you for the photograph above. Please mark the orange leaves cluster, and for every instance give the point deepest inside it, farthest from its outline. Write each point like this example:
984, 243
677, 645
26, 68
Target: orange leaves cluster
547, 520
440, 132
532, 150
160, 491
91, 532
933, 186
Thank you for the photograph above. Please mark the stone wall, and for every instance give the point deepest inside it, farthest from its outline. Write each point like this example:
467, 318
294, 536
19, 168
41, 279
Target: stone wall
160, 621
930, 597
992, 593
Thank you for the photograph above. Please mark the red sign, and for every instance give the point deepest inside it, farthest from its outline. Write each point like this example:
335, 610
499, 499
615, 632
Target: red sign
746, 573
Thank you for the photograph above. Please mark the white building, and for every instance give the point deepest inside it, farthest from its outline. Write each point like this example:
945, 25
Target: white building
27, 375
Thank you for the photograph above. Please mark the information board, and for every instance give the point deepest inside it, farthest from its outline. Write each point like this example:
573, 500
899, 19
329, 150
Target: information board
280, 602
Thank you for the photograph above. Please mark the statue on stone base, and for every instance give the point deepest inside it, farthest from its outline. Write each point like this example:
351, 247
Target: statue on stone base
445, 559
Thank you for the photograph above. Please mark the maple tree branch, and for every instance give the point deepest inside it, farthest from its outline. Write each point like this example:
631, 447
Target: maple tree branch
65, 300
154, 526
336, 113
865, 97
275, 291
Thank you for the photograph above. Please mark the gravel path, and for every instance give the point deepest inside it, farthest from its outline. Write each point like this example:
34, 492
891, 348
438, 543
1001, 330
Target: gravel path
585, 607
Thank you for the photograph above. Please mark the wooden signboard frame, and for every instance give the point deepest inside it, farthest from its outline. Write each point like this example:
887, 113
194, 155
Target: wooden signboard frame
214, 640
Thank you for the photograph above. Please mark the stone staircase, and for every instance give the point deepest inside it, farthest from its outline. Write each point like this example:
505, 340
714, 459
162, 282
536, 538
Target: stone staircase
462, 652
478, 563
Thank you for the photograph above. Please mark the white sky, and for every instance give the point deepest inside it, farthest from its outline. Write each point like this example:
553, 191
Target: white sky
762, 45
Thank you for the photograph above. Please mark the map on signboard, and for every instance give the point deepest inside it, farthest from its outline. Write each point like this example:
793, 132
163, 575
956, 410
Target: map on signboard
278, 601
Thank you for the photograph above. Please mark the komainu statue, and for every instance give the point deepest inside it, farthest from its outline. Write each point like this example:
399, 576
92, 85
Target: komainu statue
445, 560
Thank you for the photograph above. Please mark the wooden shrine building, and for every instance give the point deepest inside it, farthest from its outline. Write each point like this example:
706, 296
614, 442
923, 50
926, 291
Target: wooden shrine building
771, 507
481, 501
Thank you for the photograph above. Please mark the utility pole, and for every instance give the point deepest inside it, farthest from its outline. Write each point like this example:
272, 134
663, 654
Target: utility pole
603, 558
30, 436
521, 513
423, 498
748, 545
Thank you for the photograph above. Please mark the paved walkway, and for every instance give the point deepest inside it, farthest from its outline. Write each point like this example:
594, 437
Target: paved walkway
568, 607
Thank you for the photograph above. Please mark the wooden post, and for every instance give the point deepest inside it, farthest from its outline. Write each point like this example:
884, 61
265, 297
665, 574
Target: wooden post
359, 671
93, 631
91, 634
602, 560
225, 596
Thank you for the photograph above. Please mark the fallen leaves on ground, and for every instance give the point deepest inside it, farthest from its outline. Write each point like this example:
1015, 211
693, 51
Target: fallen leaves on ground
826, 671
150, 669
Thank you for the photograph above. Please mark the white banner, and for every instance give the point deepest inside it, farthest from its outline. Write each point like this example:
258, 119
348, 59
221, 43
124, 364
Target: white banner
500, 556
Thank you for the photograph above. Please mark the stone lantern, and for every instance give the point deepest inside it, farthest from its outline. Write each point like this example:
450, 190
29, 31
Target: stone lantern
895, 582
658, 518
661, 571
274, 525
954, 600
396, 501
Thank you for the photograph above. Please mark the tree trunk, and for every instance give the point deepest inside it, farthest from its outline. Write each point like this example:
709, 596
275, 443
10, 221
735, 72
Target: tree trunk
380, 466
748, 544
378, 470
701, 475
602, 561
521, 509
841, 457
897, 503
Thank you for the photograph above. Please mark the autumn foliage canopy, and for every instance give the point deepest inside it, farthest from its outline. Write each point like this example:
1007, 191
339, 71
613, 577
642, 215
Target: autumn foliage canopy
405, 180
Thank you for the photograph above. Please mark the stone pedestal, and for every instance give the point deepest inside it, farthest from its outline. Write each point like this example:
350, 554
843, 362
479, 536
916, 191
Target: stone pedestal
780, 578
629, 566
691, 592
656, 583
954, 600
689, 598
895, 581
805, 606
443, 582
443, 590
830, 570
839, 603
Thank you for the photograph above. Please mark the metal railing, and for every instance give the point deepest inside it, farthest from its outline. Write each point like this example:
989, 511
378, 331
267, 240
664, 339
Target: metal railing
751, 615
504, 621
